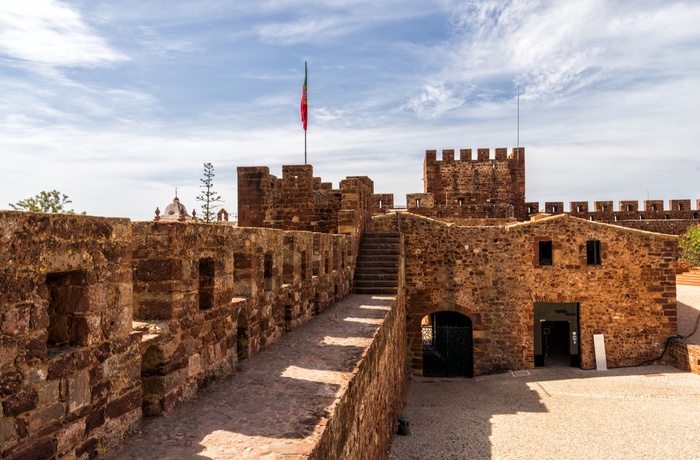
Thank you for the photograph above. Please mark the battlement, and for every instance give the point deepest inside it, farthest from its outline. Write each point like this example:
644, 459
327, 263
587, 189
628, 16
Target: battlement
482, 155
626, 210
300, 201
473, 183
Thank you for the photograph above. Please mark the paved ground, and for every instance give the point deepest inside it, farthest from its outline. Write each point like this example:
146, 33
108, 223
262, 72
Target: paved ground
276, 405
560, 413
554, 413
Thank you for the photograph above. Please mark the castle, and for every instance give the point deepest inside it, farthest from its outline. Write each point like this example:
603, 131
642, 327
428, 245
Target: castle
104, 320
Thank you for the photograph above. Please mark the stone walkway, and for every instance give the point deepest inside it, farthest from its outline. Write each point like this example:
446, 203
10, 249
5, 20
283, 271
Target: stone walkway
277, 404
554, 413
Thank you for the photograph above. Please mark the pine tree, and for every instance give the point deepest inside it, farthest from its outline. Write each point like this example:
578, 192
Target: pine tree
208, 196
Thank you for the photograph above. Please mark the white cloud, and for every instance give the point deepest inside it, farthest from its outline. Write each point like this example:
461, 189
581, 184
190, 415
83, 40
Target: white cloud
433, 100
51, 33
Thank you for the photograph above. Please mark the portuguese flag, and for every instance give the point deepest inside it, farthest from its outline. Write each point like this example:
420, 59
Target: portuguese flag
304, 105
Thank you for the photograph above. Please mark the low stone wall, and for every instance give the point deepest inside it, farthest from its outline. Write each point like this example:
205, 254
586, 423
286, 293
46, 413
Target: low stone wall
365, 417
207, 296
684, 356
69, 362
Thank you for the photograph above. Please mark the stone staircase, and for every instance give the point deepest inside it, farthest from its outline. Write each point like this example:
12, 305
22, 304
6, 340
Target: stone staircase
377, 269
691, 278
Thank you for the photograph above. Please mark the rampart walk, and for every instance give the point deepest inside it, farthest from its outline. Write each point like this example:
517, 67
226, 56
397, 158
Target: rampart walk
330, 389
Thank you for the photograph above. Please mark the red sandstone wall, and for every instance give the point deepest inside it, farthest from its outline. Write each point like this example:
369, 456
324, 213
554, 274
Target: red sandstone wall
654, 217
491, 274
684, 356
258, 283
366, 416
69, 362
464, 187
300, 201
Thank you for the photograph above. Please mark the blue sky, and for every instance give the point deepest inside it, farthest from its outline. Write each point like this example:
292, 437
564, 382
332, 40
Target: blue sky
116, 103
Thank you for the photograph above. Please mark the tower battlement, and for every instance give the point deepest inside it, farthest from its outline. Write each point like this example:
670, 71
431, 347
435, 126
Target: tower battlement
463, 186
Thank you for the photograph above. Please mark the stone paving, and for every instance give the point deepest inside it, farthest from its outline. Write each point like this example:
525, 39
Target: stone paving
276, 405
560, 413
554, 413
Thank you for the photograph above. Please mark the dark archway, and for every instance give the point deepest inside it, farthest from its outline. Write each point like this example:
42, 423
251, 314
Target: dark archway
448, 349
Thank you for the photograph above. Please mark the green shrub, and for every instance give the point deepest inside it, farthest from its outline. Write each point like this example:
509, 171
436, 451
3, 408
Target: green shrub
689, 246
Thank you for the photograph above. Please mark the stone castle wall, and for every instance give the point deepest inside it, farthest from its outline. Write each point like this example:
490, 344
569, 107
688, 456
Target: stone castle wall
366, 414
212, 295
478, 187
300, 201
69, 360
653, 217
493, 276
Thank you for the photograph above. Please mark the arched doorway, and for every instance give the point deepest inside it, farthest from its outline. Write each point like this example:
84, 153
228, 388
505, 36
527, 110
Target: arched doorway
447, 345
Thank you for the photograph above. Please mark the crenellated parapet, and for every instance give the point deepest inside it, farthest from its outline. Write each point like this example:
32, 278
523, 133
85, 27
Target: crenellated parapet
472, 185
300, 201
677, 215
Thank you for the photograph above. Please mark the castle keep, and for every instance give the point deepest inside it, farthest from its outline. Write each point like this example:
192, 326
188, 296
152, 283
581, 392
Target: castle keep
104, 320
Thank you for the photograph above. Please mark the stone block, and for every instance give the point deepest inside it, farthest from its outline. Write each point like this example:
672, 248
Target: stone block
7, 429
70, 436
79, 394
10, 382
48, 393
8, 352
47, 415
41, 449
16, 321
124, 404
20, 402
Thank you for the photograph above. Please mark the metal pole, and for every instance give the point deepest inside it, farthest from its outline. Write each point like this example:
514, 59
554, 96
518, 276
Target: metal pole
518, 117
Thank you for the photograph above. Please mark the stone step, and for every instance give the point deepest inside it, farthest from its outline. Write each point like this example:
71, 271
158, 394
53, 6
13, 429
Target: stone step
691, 278
376, 283
374, 290
375, 276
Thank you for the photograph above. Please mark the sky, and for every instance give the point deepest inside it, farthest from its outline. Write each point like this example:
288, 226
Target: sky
119, 103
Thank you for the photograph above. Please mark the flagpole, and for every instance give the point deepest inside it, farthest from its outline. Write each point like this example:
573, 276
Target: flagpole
306, 92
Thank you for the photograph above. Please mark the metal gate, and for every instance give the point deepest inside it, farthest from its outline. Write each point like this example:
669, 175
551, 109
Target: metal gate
447, 351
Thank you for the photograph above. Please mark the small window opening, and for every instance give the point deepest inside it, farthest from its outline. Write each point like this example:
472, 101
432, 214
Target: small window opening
268, 272
288, 268
593, 252
653, 207
206, 283
629, 208
304, 271
380, 204
418, 203
554, 209
545, 253
68, 308
529, 209
578, 208
602, 208
460, 202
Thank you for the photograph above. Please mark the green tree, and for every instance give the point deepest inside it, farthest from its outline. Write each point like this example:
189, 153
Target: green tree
689, 246
208, 196
52, 201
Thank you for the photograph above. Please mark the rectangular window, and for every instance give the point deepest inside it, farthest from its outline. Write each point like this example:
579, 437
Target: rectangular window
593, 252
206, 283
68, 309
268, 272
545, 253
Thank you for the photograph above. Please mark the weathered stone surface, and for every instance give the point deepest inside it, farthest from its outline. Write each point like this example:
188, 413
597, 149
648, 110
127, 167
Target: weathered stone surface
78, 390
19, 402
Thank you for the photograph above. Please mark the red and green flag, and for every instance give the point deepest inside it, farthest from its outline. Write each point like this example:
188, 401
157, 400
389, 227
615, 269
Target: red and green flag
304, 105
